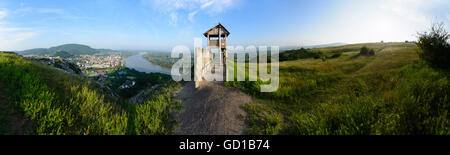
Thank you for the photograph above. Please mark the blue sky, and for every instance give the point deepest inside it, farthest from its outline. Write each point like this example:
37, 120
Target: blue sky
163, 24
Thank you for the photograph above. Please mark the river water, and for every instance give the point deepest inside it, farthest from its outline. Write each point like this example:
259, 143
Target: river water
141, 64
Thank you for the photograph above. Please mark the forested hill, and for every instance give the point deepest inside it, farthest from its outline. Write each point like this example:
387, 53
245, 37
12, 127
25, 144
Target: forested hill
73, 49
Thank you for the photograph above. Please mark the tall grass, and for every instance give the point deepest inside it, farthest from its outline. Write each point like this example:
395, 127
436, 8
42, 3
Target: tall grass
417, 104
390, 93
59, 103
153, 117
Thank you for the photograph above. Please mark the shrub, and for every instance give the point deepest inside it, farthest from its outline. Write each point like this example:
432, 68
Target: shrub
149, 117
364, 51
336, 54
434, 47
372, 52
298, 54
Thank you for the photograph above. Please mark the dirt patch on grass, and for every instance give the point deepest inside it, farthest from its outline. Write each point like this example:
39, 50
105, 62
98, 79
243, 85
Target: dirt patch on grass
212, 109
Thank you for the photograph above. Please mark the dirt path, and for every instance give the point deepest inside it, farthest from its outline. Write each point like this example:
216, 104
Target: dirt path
211, 109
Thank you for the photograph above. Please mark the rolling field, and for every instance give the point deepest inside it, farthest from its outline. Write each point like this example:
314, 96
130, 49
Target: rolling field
391, 92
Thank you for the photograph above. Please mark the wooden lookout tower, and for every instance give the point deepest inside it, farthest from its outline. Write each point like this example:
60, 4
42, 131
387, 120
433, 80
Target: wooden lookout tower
217, 39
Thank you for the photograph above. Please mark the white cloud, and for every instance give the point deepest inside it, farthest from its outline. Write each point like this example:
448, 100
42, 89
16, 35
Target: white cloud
50, 10
218, 6
193, 7
388, 20
11, 37
23, 11
410, 16
173, 18
191, 16
412, 10
205, 5
30, 10
3, 14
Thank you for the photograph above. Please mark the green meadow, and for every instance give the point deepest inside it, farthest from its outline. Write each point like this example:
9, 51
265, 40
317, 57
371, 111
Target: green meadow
389, 93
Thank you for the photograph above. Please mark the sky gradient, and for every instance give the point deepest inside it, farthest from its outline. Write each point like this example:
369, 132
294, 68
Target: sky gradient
163, 24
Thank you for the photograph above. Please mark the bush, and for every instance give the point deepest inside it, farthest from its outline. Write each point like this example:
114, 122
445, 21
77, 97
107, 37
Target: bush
372, 52
149, 117
364, 51
336, 54
298, 54
434, 47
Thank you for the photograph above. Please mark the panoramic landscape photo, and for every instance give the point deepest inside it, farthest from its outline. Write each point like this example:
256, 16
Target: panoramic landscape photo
224, 67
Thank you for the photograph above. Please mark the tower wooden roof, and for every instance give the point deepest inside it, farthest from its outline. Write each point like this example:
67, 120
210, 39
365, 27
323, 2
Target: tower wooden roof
213, 32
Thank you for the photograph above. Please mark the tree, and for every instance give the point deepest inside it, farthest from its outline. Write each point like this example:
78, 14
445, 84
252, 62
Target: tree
364, 51
434, 47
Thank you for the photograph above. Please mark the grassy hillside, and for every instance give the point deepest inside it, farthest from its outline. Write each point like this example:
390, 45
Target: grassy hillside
59, 103
392, 92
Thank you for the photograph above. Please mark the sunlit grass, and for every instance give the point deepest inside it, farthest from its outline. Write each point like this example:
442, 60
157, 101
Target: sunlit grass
60, 103
388, 93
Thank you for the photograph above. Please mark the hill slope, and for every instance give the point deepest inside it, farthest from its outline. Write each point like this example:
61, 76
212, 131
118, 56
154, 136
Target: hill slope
60, 103
75, 49
391, 92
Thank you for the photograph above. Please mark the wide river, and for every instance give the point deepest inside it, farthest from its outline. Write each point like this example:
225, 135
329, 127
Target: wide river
140, 64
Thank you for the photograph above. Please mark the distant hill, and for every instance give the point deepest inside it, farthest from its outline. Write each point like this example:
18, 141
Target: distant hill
68, 49
62, 54
75, 49
105, 50
312, 46
36, 51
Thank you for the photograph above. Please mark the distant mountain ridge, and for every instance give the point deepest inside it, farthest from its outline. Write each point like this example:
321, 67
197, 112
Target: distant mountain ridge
312, 46
66, 49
